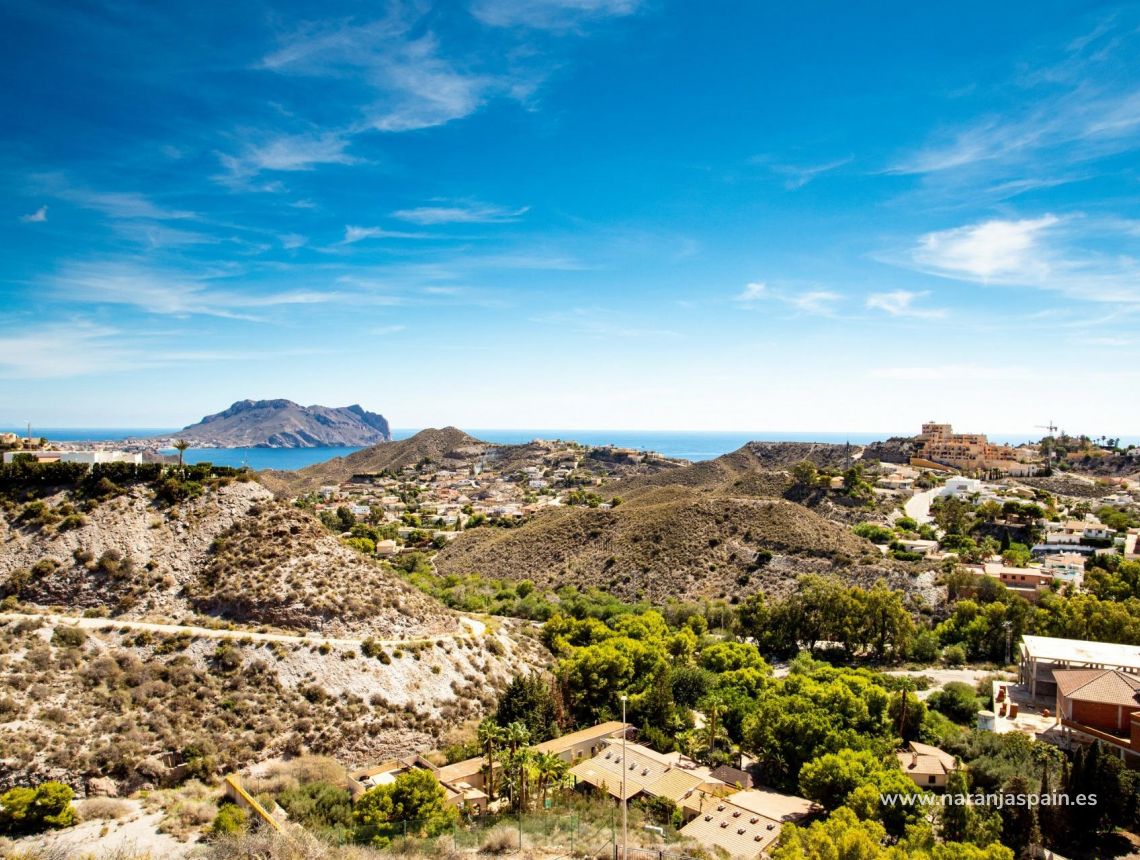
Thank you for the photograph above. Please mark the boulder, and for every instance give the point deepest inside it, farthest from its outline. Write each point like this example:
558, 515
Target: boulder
102, 786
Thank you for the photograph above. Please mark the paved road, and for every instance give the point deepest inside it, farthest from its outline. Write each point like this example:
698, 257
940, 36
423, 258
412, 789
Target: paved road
917, 507
471, 627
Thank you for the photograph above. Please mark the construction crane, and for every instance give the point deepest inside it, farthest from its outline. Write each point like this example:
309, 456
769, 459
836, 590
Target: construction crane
1051, 427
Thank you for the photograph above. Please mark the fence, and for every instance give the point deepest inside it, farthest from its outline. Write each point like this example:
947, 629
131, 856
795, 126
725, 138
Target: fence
585, 833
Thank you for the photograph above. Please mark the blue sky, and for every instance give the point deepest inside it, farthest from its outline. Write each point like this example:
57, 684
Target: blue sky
573, 213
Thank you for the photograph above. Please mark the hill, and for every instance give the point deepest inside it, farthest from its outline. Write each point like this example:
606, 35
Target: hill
667, 542
285, 424
450, 447
234, 552
339, 656
755, 469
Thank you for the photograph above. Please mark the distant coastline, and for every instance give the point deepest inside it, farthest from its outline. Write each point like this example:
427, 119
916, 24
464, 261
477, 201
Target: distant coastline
687, 445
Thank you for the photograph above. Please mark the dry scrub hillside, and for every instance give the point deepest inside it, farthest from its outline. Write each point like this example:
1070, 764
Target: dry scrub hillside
233, 551
78, 705
277, 565
663, 543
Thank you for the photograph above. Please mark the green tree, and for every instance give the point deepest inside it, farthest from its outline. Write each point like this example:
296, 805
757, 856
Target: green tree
415, 800
31, 810
805, 473
1019, 828
529, 699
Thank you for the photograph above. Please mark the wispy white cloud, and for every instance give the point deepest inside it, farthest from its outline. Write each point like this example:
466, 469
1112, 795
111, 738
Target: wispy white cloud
37, 217
285, 153
412, 85
171, 293
78, 347
473, 213
549, 14
383, 330
752, 292
815, 302
293, 241
1048, 253
797, 176
125, 205
1078, 108
901, 303
353, 234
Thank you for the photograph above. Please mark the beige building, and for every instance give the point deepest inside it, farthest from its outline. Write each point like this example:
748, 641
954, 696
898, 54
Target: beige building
970, 452
747, 823
928, 766
464, 781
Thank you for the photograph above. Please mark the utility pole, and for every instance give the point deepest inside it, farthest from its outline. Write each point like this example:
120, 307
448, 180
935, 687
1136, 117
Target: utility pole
624, 802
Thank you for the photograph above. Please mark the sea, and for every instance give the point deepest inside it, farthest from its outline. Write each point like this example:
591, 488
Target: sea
685, 444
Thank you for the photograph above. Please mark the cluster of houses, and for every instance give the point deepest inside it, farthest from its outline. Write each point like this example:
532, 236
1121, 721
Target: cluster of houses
89, 457
444, 497
721, 808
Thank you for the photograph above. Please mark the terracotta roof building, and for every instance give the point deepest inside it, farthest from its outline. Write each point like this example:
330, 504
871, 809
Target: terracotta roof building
928, 766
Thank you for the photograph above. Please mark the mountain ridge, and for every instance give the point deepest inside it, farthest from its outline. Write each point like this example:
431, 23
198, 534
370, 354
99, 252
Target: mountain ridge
281, 423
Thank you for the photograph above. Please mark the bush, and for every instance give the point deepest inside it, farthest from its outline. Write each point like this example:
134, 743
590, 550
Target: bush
319, 806
500, 840
954, 655
102, 809
230, 820
874, 533
69, 637
33, 810
957, 700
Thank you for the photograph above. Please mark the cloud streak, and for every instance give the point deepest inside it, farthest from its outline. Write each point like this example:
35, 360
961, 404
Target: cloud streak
814, 302
477, 213
901, 303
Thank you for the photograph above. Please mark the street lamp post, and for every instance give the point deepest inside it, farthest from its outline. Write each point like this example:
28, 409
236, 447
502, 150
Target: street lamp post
624, 804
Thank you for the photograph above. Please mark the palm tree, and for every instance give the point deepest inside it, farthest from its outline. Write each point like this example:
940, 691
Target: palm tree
550, 770
713, 732
516, 735
490, 735
180, 445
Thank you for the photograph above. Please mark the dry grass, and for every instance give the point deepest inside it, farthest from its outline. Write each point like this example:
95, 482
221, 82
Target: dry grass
185, 810
102, 808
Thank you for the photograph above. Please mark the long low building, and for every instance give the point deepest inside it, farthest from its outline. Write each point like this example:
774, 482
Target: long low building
465, 781
743, 823
1041, 656
636, 769
746, 824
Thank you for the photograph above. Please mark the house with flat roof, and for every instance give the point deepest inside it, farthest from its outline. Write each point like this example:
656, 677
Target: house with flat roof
1042, 656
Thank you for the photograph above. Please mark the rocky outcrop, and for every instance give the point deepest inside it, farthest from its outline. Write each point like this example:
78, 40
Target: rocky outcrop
285, 424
